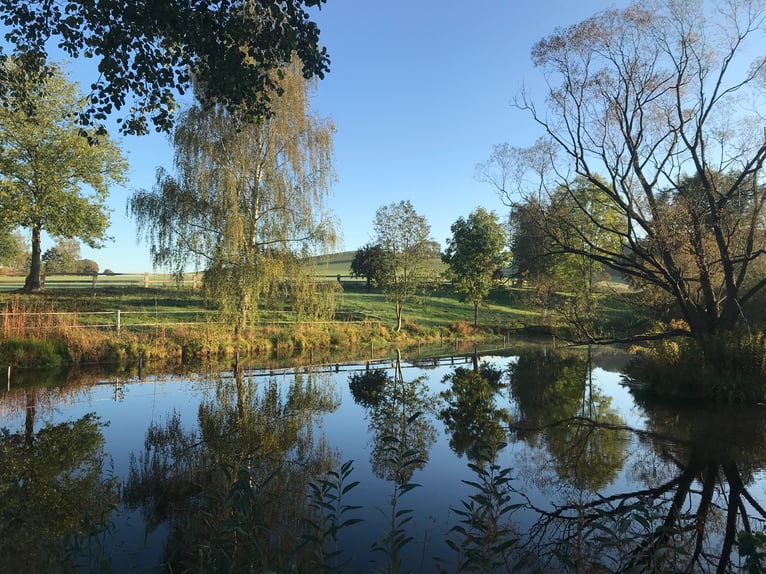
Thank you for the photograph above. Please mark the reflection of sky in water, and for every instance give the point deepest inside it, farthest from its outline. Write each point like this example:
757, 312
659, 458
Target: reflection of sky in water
132, 406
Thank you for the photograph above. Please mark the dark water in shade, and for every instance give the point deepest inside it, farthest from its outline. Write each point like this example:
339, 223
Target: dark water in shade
209, 470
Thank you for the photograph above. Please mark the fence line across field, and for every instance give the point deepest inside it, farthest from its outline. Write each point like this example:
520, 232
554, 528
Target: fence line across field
193, 280
118, 324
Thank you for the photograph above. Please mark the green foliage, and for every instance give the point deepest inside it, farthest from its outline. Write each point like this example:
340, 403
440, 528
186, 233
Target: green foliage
369, 387
471, 414
56, 497
630, 535
326, 496
484, 538
556, 406
402, 461
40, 353
369, 262
46, 163
403, 235
249, 208
86, 267
752, 546
728, 367
475, 255
628, 122
10, 250
149, 52
234, 493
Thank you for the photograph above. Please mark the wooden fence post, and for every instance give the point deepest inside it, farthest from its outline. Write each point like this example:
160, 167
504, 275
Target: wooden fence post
146, 279
117, 323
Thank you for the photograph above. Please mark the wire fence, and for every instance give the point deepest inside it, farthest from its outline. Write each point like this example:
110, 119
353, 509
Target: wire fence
17, 322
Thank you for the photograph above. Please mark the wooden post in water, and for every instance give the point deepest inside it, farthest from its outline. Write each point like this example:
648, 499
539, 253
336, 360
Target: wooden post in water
9, 377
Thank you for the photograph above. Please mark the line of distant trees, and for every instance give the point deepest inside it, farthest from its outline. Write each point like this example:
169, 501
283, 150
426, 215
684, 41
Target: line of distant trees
63, 258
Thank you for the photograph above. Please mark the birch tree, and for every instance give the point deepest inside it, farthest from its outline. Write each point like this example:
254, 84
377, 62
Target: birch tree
247, 200
403, 236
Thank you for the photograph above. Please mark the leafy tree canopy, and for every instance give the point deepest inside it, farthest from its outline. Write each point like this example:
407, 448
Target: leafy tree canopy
369, 262
403, 235
643, 101
247, 201
148, 52
475, 253
52, 178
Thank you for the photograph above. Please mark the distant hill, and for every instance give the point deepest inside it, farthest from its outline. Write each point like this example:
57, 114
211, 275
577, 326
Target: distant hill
334, 264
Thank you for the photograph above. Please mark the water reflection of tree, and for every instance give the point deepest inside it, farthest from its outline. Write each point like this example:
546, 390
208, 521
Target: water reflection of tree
402, 436
560, 411
234, 492
398, 425
693, 466
55, 497
471, 414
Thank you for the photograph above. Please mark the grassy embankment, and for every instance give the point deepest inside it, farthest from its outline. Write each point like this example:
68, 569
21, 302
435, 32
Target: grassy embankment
121, 320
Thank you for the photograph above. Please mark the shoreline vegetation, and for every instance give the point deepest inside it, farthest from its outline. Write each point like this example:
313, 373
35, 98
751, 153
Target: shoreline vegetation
70, 324
126, 323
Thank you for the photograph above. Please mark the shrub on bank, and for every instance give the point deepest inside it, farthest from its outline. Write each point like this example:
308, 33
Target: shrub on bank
34, 352
734, 369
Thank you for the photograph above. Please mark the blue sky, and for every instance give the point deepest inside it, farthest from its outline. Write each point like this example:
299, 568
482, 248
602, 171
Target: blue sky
419, 92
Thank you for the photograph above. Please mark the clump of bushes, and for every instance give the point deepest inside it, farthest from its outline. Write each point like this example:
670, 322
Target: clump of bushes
733, 369
34, 352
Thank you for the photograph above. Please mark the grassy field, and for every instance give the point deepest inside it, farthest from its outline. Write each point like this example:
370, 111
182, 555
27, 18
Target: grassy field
151, 316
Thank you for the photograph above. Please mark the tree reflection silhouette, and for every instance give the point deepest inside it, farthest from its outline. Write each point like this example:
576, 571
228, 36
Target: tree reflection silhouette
55, 495
395, 408
559, 410
471, 415
234, 492
693, 464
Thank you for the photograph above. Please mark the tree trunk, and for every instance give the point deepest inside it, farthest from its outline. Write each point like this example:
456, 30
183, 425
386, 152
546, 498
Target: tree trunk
399, 308
33, 282
475, 313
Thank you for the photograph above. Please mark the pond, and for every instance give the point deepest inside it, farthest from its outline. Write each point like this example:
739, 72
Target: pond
537, 461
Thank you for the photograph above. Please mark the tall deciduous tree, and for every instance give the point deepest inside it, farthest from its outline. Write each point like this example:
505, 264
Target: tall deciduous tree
641, 100
51, 177
404, 237
474, 254
247, 200
148, 52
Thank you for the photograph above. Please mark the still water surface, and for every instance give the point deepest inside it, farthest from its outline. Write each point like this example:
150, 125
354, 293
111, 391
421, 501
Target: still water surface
215, 471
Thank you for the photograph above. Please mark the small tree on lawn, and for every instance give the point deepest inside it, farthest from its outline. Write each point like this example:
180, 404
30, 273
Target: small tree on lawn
475, 252
368, 262
404, 237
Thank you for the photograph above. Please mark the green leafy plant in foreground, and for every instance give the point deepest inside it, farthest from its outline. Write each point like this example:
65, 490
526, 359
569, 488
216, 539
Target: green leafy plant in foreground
326, 498
484, 538
402, 460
